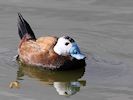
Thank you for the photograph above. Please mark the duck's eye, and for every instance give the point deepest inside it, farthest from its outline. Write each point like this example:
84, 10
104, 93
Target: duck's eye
66, 43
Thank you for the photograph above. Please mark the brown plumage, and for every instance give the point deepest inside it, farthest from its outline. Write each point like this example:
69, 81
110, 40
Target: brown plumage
40, 52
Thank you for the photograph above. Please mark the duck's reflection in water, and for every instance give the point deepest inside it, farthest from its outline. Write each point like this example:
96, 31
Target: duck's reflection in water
66, 83
68, 88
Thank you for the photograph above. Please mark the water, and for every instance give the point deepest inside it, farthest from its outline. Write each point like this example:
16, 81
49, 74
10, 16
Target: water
102, 28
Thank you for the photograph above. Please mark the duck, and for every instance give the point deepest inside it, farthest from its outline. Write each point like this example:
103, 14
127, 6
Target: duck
48, 52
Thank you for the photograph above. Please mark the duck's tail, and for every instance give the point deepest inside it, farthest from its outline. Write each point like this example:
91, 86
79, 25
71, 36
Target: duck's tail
24, 28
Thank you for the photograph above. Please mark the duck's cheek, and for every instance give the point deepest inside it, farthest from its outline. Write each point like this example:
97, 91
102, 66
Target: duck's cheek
57, 50
62, 49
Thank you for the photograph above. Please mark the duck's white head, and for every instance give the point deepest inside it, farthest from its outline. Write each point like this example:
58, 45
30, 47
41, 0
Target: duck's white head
66, 46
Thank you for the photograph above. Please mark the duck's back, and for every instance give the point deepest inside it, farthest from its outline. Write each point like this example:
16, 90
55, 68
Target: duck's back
46, 43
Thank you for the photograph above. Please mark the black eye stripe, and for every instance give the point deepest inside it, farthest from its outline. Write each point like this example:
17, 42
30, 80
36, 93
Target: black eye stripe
67, 37
70, 39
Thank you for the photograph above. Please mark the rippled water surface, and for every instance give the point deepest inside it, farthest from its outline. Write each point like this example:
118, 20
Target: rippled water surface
104, 32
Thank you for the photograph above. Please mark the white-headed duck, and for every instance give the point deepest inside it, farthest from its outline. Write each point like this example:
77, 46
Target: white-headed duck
48, 52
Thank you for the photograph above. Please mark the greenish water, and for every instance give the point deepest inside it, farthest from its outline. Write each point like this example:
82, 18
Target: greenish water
102, 28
